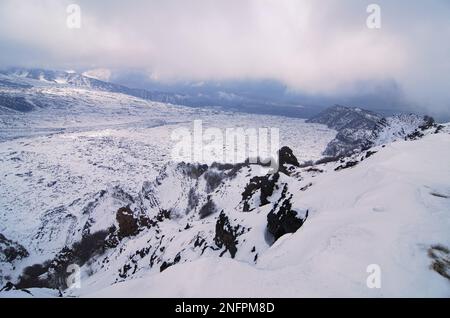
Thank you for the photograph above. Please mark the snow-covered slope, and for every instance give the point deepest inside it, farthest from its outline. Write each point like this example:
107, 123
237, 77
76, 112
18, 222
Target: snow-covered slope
87, 179
70, 166
232, 230
52, 182
392, 210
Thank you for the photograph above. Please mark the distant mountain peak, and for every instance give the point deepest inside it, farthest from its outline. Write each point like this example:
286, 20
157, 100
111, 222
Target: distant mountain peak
15, 76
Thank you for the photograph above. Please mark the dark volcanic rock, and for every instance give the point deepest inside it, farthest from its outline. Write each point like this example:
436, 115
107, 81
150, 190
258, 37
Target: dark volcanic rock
53, 273
265, 184
226, 235
428, 123
166, 265
347, 165
286, 157
208, 209
282, 219
162, 215
10, 286
10, 250
128, 224
370, 153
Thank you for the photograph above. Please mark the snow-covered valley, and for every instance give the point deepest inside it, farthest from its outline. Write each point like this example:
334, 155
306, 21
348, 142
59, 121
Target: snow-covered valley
390, 210
87, 178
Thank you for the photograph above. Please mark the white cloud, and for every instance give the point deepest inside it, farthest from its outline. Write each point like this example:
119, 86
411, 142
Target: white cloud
320, 47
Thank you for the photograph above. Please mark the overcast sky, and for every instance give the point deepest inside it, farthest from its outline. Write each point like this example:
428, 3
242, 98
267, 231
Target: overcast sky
317, 46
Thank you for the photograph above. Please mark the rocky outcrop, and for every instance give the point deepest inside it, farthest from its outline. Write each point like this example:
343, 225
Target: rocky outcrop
53, 273
208, 209
128, 224
346, 165
428, 124
10, 286
440, 256
287, 160
226, 235
265, 185
11, 251
166, 265
282, 219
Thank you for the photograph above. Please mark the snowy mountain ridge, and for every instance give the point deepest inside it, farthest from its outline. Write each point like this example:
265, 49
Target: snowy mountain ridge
29, 78
360, 129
